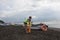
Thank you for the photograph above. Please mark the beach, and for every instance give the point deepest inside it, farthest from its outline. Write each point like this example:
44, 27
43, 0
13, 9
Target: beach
12, 32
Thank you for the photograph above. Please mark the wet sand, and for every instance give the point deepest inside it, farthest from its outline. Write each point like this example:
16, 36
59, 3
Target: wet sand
18, 33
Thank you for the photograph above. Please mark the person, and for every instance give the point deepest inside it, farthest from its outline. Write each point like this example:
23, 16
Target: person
28, 24
43, 27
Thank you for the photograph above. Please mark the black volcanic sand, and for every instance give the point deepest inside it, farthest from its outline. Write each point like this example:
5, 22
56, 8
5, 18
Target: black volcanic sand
18, 33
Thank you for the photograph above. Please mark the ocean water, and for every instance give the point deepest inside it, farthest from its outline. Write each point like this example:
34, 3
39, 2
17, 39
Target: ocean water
53, 24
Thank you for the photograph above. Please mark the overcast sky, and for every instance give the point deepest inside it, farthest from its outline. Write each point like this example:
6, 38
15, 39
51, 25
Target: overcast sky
11, 9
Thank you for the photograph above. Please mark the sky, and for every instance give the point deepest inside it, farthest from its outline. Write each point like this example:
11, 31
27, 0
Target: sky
18, 10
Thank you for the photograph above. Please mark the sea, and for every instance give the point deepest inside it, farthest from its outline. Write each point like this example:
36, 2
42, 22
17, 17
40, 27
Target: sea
52, 24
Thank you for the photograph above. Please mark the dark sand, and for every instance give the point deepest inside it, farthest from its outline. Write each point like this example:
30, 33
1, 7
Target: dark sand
18, 33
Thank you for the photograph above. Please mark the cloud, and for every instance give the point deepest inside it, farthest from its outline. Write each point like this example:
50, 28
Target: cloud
25, 5
36, 8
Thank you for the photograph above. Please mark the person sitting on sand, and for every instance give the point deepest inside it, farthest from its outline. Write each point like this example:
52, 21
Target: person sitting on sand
27, 24
43, 27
